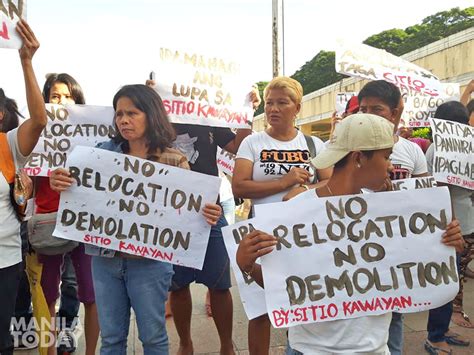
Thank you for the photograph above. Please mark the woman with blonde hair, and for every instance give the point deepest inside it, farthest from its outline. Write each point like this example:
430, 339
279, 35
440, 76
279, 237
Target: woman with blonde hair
270, 163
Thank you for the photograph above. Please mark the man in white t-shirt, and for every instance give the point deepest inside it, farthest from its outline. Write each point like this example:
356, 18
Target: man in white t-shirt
382, 98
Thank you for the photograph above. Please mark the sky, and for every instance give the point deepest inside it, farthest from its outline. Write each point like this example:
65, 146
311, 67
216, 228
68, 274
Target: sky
105, 44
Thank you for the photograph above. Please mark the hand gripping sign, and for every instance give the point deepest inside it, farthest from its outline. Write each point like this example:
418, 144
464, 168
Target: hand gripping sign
357, 255
136, 206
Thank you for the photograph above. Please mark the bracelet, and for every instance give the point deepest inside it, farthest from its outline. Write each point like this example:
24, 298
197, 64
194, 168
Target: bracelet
305, 186
248, 273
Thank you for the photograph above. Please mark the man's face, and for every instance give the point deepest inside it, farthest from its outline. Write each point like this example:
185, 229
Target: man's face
376, 106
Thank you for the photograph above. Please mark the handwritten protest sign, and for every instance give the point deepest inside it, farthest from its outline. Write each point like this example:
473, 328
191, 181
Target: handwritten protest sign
10, 12
203, 90
225, 161
363, 61
251, 294
453, 153
420, 108
69, 126
351, 256
136, 206
342, 98
422, 91
414, 183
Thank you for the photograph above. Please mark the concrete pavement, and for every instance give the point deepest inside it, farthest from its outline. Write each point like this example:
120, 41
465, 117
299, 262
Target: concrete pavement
206, 340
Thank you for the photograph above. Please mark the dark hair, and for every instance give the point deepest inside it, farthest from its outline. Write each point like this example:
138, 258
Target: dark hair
470, 107
10, 111
73, 86
453, 111
160, 133
383, 90
368, 154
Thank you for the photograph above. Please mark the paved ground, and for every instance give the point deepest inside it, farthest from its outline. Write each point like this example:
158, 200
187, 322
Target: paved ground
206, 340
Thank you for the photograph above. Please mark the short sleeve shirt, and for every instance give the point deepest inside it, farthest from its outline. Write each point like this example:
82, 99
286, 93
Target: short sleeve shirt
10, 242
407, 160
272, 158
199, 145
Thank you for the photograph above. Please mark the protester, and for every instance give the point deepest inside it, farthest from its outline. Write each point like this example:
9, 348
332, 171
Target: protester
15, 147
199, 144
271, 162
407, 133
9, 120
63, 89
352, 107
382, 98
121, 280
439, 336
227, 202
360, 154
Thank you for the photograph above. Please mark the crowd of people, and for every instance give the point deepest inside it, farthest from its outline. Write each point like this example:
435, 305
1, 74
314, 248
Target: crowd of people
366, 152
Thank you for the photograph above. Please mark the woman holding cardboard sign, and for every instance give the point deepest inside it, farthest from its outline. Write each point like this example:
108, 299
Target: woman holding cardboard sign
360, 152
122, 281
67, 263
15, 147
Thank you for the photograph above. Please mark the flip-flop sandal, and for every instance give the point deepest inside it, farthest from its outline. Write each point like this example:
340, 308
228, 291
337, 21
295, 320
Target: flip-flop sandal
434, 350
466, 319
453, 339
469, 273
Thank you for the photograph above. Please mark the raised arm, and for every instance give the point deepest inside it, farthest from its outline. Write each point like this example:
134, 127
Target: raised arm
466, 95
233, 145
30, 131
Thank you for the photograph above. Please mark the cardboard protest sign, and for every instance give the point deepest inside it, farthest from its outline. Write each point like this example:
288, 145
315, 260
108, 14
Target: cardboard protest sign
422, 91
363, 61
202, 90
136, 206
342, 98
420, 108
251, 294
225, 161
10, 12
357, 255
453, 153
414, 183
69, 126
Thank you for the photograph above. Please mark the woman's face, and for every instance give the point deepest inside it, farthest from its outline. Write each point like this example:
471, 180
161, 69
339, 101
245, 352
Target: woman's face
59, 94
130, 121
280, 110
376, 169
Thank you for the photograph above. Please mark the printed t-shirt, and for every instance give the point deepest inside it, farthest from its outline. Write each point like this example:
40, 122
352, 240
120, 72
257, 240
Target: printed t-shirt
363, 335
199, 145
10, 241
407, 159
461, 198
272, 159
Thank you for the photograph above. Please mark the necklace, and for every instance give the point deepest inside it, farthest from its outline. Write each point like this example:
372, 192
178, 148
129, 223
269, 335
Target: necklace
329, 190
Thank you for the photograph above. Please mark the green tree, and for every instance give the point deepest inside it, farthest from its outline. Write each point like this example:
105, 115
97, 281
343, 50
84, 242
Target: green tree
261, 86
320, 71
389, 40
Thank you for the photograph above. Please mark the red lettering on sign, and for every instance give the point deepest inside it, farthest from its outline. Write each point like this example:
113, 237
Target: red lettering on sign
4, 31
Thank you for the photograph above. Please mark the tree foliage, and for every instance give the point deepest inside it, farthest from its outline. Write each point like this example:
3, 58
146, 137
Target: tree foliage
431, 29
320, 71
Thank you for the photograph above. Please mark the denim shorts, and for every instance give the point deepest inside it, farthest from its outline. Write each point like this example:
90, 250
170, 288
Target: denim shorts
215, 273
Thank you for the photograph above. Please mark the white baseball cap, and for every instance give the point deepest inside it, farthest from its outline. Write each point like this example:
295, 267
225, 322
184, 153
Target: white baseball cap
359, 132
